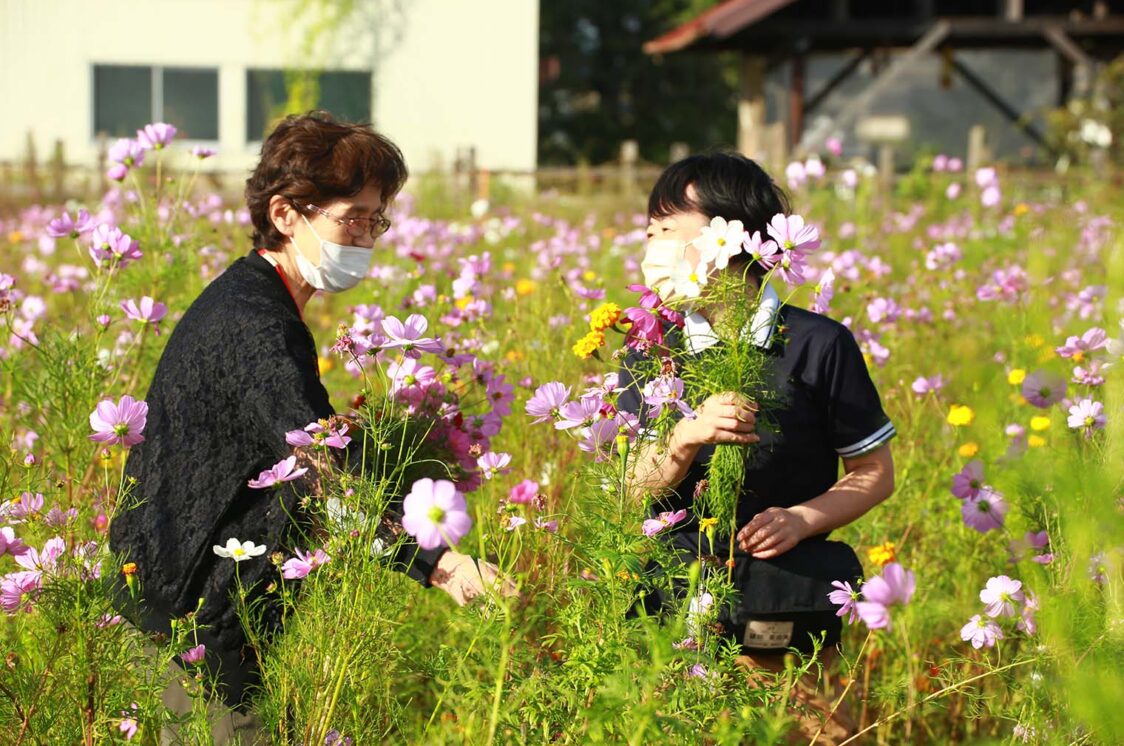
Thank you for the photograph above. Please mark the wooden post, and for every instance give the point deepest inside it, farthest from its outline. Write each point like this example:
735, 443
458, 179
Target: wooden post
886, 166
751, 107
796, 101
978, 153
776, 147
678, 151
58, 172
1012, 10
31, 167
473, 176
630, 153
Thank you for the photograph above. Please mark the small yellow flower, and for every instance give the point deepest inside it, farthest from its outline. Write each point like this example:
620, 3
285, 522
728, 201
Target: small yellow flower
969, 449
525, 287
883, 554
604, 316
1046, 354
706, 524
15, 237
1039, 423
1016, 376
1035, 441
324, 364
960, 415
462, 303
589, 275
1021, 209
514, 356
1034, 341
508, 267
587, 345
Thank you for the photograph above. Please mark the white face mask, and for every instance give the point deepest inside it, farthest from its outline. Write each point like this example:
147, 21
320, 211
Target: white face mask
661, 258
341, 267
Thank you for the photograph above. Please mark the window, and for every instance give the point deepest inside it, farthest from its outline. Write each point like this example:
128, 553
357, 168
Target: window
345, 94
127, 97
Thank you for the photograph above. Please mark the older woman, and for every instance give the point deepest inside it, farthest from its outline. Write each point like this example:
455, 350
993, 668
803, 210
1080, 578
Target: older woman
239, 371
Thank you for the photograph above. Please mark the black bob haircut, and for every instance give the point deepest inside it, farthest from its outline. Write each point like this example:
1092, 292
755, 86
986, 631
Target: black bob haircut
727, 185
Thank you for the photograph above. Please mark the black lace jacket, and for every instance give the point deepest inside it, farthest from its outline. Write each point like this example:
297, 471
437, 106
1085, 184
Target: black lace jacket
238, 372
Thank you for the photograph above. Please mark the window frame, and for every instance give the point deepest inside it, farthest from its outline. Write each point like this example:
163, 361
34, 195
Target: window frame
156, 83
254, 145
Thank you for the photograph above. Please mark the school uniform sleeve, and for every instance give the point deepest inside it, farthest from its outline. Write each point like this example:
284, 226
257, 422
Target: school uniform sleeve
856, 420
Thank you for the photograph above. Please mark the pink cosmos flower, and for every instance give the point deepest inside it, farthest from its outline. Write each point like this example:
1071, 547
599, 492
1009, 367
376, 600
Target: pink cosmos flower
410, 374
882, 310
791, 268
65, 226
319, 433
834, 146
119, 423
1026, 622
201, 152
580, 413
968, 483
300, 566
985, 511
667, 519
846, 598
111, 247
407, 336
981, 632
931, 385
435, 513
666, 391
547, 401
18, 591
1089, 374
791, 234
1078, 348
1088, 416
895, 586
283, 471
1002, 596
765, 252
10, 543
493, 464
545, 525
1042, 389
127, 153
156, 135
28, 507
523, 493
128, 726
147, 311
599, 437
824, 292
194, 655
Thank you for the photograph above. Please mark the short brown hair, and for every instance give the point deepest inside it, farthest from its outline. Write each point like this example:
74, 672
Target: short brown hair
313, 158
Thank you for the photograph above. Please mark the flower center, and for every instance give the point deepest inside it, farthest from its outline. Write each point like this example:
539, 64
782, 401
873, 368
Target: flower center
121, 429
1089, 421
436, 514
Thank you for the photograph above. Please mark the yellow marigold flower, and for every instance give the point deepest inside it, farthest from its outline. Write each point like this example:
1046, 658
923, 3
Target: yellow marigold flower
883, 554
588, 344
1021, 209
969, 449
707, 524
1016, 376
525, 286
1035, 441
1039, 423
604, 316
129, 568
960, 415
462, 303
324, 364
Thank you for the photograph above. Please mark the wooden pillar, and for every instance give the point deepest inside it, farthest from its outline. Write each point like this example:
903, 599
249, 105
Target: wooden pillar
751, 107
630, 154
1065, 79
978, 152
1012, 10
796, 101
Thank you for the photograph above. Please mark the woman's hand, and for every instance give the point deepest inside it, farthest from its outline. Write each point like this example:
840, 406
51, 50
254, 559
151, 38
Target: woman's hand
772, 532
465, 578
723, 418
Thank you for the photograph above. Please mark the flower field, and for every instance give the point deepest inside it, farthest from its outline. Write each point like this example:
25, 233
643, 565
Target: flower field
989, 307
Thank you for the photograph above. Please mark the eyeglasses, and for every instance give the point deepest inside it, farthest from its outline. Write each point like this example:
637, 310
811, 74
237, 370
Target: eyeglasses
355, 227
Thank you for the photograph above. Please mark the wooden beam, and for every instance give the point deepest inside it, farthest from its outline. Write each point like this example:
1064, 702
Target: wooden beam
1012, 10
1014, 115
751, 107
926, 44
835, 81
796, 100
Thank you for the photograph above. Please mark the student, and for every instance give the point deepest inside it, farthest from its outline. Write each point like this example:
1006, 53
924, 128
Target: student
828, 412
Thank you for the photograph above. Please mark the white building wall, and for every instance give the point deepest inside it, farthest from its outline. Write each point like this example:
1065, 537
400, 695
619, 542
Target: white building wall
447, 74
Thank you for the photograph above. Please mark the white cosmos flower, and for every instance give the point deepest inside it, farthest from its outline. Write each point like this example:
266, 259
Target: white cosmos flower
239, 550
688, 280
720, 241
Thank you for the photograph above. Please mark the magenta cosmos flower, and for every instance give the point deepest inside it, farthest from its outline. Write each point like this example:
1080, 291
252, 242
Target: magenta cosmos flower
111, 247
435, 513
10, 543
792, 234
1078, 348
666, 391
981, 632
156, 136
66, 226
407, 336
194, 655
1088, 416
846, 598
283, 471
667, 519
300, 566
894, 587
1003, 596
18, 591
985, 511
146, 311
119, 423
523, 493
923, 385
968, 483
